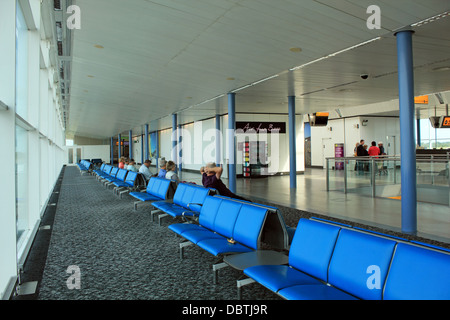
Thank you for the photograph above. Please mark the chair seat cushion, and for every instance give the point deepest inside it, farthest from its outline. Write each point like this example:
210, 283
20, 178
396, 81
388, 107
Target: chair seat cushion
144, 196
277, 277
222, 246
197, 235
180, 228
314, 292
122, 184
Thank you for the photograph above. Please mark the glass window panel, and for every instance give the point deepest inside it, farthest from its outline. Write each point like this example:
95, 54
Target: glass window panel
21, 64
21, 183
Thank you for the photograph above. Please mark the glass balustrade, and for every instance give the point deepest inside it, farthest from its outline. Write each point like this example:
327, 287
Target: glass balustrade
381, 177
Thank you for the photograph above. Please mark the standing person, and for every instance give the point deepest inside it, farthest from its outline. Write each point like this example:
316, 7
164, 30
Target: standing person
211, 179
171, 174
381, 147
383, 170
144, 169
374, 151
360, 152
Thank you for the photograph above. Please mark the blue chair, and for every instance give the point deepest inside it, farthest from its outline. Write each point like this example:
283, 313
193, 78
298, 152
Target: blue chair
157, 189
225, 227
120, 177
418, 273
187, 201
133, 181
309, 258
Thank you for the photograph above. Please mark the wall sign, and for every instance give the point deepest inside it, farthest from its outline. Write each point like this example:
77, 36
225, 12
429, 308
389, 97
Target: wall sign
262, 127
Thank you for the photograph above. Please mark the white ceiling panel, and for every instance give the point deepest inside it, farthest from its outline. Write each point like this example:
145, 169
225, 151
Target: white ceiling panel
138, 61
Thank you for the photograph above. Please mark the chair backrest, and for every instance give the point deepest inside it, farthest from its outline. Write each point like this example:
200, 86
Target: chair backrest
360, 263
188, 192
209, 211
178, 195
121, 175
312, 247
275, 230
102, 167
199, 197
114, 172
131, 177
107, 169
418, 274
249, 224
226, 217
159, 187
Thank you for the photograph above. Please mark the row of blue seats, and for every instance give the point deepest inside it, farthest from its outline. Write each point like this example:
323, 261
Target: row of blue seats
382, 234
332, 262
224, 227
84, 166
188, 200
121, 180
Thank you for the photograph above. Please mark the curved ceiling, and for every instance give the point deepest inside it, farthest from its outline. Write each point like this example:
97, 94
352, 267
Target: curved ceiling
138, 61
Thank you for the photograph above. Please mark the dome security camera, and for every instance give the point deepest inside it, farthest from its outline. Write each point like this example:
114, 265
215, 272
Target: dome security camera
364, 76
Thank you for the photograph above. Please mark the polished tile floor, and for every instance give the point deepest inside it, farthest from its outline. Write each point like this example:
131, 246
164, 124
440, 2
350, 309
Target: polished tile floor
433, 221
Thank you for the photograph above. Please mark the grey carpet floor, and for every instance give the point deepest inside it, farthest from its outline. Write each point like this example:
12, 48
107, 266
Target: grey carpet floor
123, 255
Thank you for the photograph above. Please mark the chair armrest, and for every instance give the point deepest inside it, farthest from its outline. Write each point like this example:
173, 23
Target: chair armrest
196, 204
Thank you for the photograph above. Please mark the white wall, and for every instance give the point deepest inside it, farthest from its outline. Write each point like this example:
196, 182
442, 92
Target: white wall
90, 152
350, 131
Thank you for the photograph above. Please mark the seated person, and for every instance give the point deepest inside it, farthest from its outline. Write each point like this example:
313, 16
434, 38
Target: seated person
131, 166
211, 179
171, 175
121, 163
144, 169
162, 170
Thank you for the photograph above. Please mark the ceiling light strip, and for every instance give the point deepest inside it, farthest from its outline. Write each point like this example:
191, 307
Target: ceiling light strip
431, 19
336, 53
255, 83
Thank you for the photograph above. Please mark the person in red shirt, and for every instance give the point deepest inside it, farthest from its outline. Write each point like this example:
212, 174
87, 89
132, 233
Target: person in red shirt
374, 150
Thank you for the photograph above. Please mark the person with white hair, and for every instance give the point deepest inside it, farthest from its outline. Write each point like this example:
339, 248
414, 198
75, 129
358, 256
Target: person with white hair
211, 179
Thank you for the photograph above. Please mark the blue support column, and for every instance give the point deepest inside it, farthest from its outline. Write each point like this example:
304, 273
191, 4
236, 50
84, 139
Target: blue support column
146, 144
218, 140
157, 151
142, 149
232, 141
130, 144
408, 146
292, 144
174, 138
112, 151
119, 154
180, 149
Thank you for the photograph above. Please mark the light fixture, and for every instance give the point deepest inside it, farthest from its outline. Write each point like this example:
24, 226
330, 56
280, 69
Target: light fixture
446, 68
98, 46
295, 49
431, 19
336, 53
231, 78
